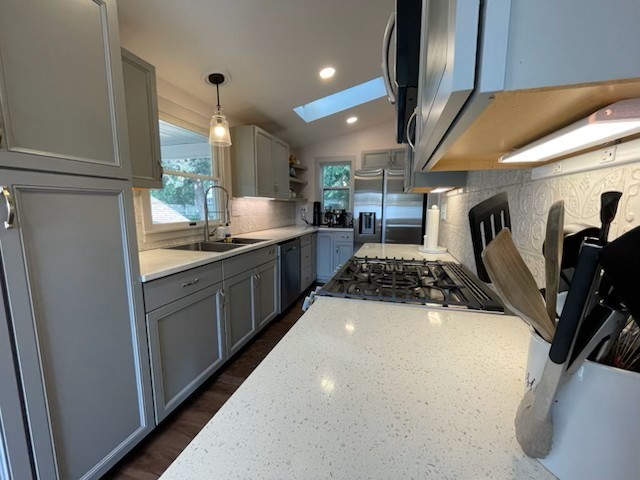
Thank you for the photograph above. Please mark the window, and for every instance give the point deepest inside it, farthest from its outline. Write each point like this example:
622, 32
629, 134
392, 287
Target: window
190, 167
335, 181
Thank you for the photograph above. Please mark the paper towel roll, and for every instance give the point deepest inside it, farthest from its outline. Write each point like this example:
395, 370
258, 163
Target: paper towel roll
433, 222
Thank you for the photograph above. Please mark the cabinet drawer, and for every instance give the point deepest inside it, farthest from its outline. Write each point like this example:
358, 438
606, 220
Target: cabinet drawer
241, 263
305, 257
306, 278
343, 236
305, 239
168, 289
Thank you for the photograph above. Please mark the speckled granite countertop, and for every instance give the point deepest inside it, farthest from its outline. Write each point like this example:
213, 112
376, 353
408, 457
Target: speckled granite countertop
363, 389
161, 262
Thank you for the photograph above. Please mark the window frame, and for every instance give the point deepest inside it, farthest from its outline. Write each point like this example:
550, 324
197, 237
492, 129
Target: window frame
326, 161
219, 163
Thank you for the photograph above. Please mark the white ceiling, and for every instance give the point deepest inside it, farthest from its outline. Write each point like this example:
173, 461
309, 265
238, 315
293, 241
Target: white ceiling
273, 50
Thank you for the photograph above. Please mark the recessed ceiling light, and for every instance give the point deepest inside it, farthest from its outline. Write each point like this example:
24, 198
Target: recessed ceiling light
327, 72
352, 119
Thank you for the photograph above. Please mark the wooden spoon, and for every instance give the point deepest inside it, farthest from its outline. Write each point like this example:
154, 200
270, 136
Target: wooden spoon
515, 284
553, 255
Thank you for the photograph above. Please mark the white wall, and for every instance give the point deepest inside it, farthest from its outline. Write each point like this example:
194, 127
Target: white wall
529, 203
376, 137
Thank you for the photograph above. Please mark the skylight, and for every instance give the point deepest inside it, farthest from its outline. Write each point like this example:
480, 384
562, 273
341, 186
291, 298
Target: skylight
337, 102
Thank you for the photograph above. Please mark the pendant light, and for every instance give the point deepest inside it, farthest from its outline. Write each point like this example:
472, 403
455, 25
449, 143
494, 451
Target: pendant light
219, 135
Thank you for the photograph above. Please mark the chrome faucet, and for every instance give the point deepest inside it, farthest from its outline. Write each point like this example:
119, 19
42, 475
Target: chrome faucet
207, 233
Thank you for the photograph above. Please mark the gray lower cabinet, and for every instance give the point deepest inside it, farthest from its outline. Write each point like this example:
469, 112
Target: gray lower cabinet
62, 97
76, 313
266, 293
325, 256
334, 249
239, 309
186, 342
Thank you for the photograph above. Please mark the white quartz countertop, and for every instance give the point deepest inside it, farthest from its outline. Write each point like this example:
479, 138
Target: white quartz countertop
362, 389
405, 252
161, 262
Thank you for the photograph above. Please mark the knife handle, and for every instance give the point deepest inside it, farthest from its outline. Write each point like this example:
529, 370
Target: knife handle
582, 287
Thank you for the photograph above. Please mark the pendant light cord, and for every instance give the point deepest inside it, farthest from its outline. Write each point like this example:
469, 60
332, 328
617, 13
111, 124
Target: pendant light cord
218, 94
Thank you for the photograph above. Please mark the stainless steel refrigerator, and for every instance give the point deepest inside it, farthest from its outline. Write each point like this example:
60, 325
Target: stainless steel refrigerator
382, 212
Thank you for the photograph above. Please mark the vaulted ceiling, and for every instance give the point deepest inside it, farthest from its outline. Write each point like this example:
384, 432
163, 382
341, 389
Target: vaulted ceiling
273, 50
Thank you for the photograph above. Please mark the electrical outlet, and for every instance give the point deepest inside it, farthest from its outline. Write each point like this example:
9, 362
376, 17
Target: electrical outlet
303, 213
608, 155
557, 168
443, 213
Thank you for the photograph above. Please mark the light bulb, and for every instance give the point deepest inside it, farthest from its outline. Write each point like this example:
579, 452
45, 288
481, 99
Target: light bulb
220, 131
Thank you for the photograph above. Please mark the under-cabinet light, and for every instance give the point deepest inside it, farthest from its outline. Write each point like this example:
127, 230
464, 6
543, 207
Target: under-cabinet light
615, 121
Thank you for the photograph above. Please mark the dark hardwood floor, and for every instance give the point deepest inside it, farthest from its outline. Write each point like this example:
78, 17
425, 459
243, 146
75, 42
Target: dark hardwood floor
154, 454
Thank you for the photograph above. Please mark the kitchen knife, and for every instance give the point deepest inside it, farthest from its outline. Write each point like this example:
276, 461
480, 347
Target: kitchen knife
534, 427
552, 255
515, 284
608, 208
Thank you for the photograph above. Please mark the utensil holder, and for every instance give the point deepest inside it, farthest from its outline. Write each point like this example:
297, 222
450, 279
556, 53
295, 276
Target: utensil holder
596, 420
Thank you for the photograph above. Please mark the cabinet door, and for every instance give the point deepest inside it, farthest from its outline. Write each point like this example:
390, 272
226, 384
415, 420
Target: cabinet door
325, 256
267, 293
186, 341
15, 462
397, 158
343, 252
314, 256
449, 41
264, 164
240, 312
142, 121
376, 159
72, 278
281, 168
61, 89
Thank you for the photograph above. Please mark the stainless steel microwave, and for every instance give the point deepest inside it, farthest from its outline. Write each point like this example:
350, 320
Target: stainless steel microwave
401, 61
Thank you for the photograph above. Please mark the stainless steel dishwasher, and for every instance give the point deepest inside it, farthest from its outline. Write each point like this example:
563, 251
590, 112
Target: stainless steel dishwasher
289, 273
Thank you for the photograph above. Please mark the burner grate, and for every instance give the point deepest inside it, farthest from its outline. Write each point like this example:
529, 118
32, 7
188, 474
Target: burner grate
411, 281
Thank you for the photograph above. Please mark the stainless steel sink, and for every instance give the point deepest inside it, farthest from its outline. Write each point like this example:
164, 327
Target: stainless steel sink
244, 241
208, 247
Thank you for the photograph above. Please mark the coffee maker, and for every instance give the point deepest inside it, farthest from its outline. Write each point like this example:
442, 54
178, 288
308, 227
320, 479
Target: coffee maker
317, 214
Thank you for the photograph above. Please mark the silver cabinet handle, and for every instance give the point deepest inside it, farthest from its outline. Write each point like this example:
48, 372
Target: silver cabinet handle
412, 117
192, 282
223, 302
386, 44
11, 209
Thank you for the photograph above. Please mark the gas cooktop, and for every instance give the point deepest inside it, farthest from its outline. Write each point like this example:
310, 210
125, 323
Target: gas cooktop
438, 283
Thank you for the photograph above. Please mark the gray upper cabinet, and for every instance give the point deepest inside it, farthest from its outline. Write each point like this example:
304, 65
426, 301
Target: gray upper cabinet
281, 168
260, 164
489, 70
61, 89
383, 159
186, 340
142, 121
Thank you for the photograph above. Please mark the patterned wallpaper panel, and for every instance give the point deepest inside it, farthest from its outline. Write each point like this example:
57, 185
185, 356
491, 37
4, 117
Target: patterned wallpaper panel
247, 215
529, 202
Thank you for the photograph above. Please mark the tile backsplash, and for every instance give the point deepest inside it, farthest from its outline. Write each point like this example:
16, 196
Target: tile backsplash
529, 203
247, 215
